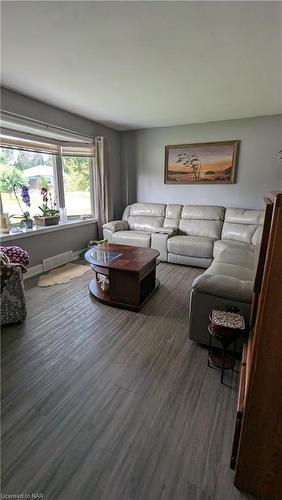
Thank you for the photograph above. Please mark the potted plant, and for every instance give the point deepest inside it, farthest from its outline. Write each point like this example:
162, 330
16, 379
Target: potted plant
49, 214
25, 218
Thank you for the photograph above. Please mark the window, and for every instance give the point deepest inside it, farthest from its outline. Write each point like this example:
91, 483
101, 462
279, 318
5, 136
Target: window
35, 170
77, 185
64, 168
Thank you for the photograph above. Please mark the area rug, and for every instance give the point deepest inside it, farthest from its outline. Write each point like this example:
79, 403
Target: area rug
62, 274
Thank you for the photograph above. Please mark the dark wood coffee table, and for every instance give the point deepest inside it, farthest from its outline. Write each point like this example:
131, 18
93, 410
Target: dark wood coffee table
131, 272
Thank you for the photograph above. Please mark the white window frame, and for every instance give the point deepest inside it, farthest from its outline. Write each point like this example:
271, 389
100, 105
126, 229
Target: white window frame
59, 177
59, 190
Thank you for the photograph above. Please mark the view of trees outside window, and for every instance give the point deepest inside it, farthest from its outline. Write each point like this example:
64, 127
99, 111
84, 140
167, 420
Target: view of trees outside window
76, 183
36, 170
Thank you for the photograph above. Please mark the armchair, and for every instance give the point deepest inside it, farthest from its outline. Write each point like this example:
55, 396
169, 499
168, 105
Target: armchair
13, 304
12, 265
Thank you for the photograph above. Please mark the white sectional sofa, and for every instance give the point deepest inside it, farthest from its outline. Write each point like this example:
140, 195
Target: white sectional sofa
221, 240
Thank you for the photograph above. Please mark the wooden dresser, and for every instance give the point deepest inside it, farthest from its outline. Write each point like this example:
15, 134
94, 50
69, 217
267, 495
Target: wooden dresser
257, 447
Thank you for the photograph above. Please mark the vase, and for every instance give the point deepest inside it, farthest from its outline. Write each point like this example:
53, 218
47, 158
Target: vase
27, 224
5, 224
47, 221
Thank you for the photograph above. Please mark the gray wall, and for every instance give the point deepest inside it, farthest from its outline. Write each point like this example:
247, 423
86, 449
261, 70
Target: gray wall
258, 168
42, 246
37, 110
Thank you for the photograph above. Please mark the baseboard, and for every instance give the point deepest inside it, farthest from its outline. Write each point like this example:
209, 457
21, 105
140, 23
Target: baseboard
35, 270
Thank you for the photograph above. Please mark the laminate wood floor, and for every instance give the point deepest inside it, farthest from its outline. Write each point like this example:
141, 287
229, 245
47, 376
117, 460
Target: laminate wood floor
105, 404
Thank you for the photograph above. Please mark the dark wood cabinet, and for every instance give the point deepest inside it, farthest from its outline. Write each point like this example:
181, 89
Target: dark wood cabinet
257, 447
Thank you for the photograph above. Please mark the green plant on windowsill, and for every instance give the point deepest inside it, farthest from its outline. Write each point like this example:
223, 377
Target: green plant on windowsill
25, 218
49, 215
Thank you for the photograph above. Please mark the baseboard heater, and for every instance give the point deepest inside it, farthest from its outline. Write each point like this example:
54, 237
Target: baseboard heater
57, 260
51, 263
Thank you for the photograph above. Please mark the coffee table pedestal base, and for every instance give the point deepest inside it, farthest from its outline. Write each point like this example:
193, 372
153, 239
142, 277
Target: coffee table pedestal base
105, 296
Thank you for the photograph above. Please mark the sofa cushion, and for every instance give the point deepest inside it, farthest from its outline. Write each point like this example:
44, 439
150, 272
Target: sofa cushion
173, 211
134, 238
192, 246
172, 215
244, 257
239, 232
144, 216
200, 212
244, 216
144, 223
221, 245
201, 220
147, 209
208, 228
234, 252
241, 224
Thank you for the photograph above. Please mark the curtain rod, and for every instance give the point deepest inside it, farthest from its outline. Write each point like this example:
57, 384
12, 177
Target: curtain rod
23, 120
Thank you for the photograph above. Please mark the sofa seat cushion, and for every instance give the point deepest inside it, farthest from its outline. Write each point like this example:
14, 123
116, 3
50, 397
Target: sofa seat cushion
134, 238
191, 246
238, 257
241, 254
221, 245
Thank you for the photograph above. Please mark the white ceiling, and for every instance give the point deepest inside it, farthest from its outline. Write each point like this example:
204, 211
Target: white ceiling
146, 64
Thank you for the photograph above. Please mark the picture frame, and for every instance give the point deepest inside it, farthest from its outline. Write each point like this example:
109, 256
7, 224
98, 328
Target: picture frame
201, 163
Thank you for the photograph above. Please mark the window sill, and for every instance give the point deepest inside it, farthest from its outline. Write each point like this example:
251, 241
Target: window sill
26, 233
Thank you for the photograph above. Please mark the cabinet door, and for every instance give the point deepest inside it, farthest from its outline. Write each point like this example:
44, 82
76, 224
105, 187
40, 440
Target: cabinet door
240, 407
259, 459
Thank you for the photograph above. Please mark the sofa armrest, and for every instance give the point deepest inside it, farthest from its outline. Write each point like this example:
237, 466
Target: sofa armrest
159, 239
224, 286
116, 225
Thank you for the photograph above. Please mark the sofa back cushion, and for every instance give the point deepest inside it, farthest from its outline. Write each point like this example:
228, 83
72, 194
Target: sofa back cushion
172, 215
145, 216
242, 224
201, 220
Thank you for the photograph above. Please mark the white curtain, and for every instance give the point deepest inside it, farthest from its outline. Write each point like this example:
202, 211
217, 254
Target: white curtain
102, 178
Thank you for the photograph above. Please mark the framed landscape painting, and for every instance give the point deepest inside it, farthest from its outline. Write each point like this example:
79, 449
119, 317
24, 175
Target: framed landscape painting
209, 163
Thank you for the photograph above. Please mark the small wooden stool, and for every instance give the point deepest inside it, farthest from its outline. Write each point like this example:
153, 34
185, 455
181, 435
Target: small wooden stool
226, 328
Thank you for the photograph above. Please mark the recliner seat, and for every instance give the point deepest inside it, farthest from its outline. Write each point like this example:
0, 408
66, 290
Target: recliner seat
199, 227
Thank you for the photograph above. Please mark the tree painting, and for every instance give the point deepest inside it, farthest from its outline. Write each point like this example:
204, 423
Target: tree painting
190, 161
208, 163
